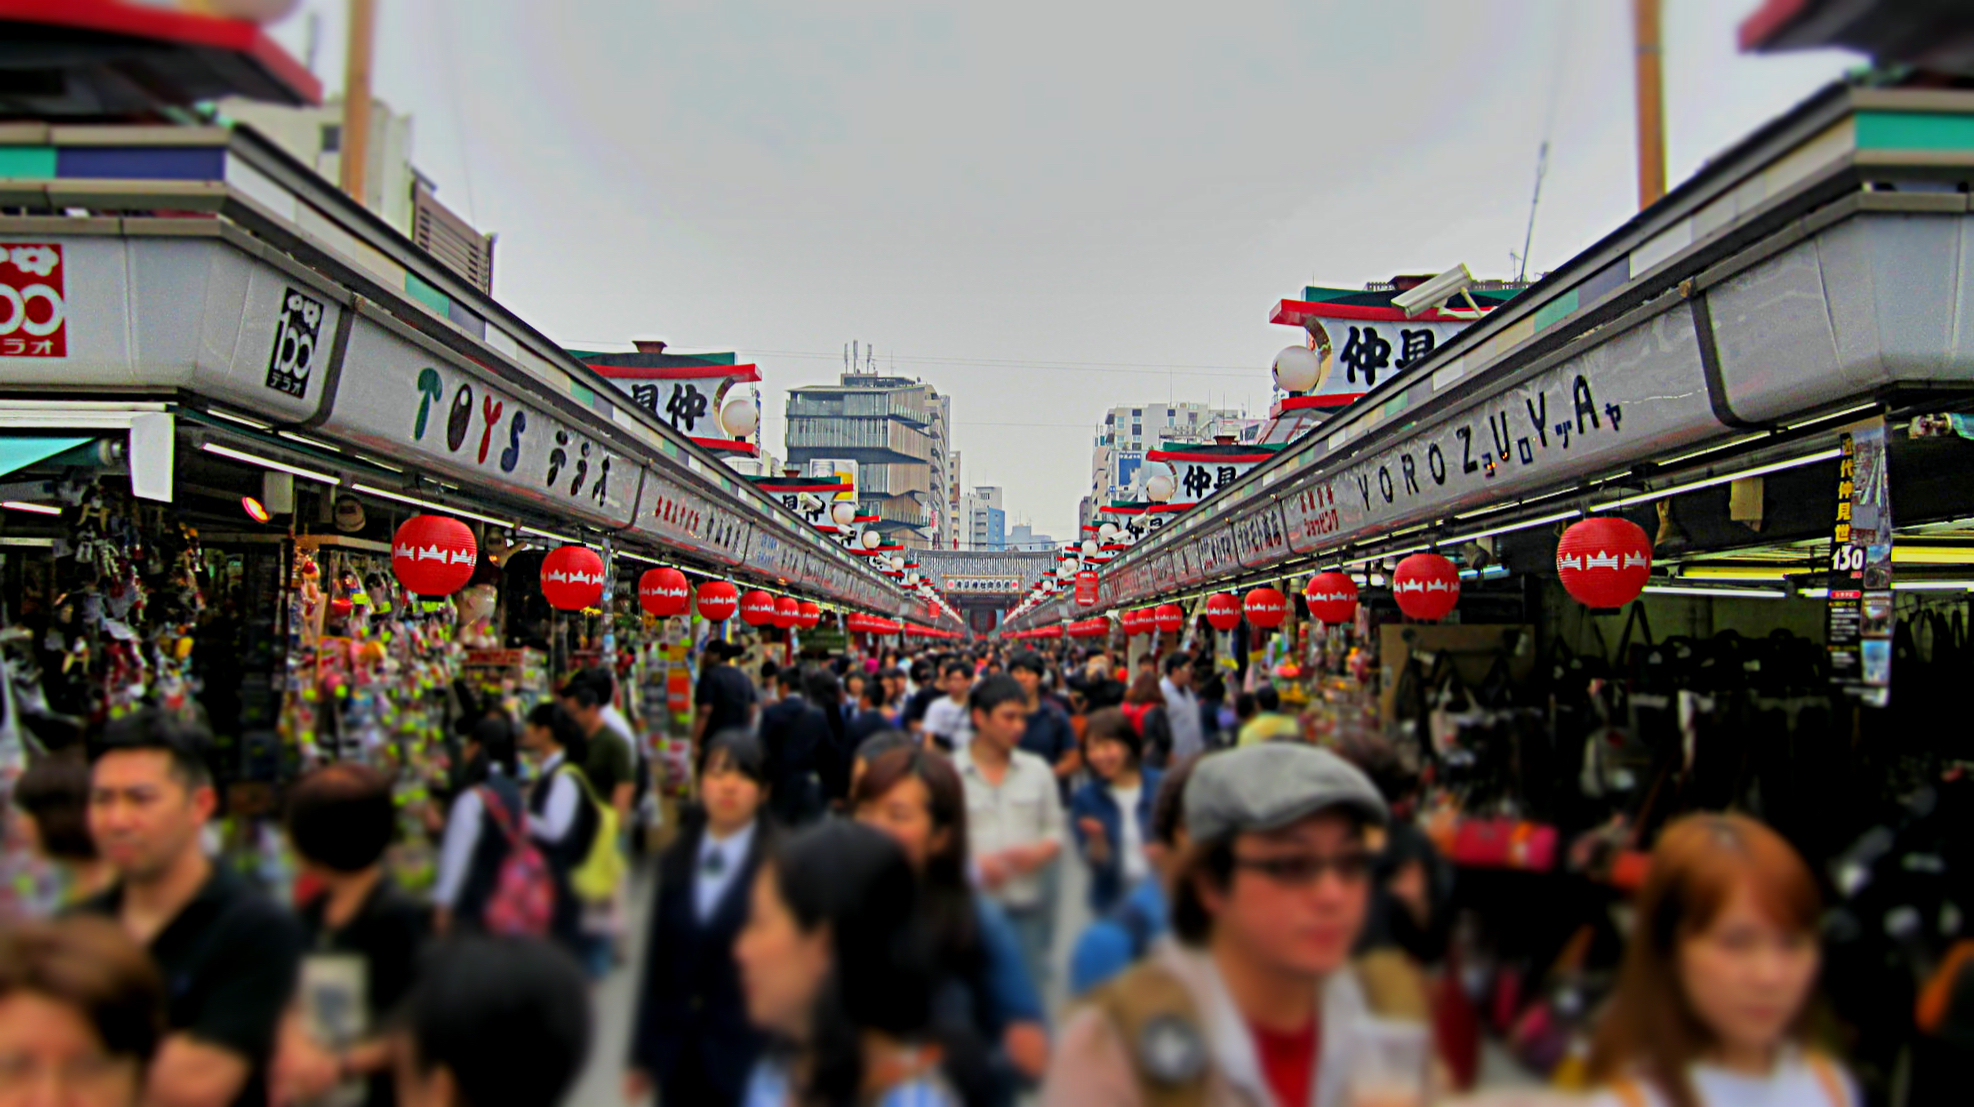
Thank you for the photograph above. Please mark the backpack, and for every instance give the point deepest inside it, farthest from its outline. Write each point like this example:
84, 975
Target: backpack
1155, 1017
596, 878
523, 897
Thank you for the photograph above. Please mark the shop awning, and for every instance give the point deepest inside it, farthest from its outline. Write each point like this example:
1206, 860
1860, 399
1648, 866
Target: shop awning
17, 453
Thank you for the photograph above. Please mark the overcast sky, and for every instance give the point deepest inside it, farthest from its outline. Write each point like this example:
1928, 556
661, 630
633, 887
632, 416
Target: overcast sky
1044, 209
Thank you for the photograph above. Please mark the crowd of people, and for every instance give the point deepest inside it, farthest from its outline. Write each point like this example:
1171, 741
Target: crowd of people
857, 907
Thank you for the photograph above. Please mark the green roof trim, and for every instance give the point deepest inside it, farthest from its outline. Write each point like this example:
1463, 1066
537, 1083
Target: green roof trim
426, 294
1914, 130
27, 161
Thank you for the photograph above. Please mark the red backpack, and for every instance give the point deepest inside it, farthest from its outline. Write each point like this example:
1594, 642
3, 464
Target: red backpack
523, 898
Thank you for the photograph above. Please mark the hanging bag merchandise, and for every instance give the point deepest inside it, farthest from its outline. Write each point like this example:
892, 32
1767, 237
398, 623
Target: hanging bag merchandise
602, 868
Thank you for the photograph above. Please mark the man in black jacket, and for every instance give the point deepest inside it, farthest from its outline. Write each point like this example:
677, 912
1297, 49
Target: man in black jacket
798, 745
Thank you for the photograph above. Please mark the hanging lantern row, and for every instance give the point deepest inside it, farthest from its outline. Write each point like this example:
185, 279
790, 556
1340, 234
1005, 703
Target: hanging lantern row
1426, 586
1604, 561
572, 578
1266, 607
433, 555
1223, 612
663, 592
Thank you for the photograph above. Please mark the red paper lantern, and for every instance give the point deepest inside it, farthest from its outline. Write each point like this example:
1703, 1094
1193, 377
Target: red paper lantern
811, 613
1426, 586
572, 578
663, 592
1134, 621
1604, 561
1332, 597
433, 555
757, 608
1223, 611
788, 615
718, 600
1266, 607
1169, 618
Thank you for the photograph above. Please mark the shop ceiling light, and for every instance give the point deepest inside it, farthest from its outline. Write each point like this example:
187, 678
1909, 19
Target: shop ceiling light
1813, 593
1932, 555
1732, 593
270, 463
1733, 572
1726, 478
243, 420
38, 509
1507, 527
1933, 585
1814, 419
372, 490
314, 443
254, 509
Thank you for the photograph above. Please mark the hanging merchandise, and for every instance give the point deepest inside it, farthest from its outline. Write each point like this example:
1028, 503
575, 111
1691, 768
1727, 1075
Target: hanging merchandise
757, 608
1223, 611
1169, 618
1266, 607
1426, 586
1604, 561
811, 614
718, 600
433, 555
788, 614
662, 592
1332, 598
572, 578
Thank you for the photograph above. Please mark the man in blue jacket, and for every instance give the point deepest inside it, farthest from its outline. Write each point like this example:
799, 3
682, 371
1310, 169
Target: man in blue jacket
1113, 942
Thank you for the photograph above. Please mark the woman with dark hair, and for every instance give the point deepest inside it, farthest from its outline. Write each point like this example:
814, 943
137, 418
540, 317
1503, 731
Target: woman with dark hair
1712, 1002
82, 1011
485, 820
916, 797
692, 1038
837, 964
563, 819
1112, 814
493, 1022
52, 798
1144, 708
363, 938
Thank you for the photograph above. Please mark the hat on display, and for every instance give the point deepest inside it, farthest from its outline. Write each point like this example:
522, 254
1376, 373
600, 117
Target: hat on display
1269, 786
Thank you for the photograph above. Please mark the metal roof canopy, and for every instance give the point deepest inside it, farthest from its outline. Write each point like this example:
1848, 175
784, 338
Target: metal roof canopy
1812, 264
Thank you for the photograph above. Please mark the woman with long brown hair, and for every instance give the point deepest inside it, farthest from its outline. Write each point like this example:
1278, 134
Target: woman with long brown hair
1712, 1003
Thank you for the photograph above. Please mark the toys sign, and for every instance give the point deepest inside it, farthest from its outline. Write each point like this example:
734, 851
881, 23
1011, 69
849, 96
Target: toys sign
33, 312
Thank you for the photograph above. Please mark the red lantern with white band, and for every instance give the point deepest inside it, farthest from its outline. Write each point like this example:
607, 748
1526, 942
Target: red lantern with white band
718, 600
1426, 586
811, 613
788, 614
1169, 618
1332, 597
757, 608
1134, 622
663, 592
1223, 611
1266, 607
433, 555
572, 578
1604, 561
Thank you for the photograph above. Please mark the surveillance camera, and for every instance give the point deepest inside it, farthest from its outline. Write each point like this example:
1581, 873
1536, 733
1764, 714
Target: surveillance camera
1418, 300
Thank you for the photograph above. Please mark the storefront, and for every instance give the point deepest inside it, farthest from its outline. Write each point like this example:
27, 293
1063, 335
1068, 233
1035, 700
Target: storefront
1766, 374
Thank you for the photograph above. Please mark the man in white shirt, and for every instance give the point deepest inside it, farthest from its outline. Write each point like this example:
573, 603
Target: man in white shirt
1181, 708
947, 719
1014, 817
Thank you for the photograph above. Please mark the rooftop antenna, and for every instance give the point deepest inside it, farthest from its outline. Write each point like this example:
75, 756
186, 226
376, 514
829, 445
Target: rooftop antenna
1542, 152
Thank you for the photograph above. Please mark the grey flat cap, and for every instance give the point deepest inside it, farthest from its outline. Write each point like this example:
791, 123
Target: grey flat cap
1269, 786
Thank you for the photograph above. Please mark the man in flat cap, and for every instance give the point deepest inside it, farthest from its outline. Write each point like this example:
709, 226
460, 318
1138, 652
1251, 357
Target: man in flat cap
1254, 1002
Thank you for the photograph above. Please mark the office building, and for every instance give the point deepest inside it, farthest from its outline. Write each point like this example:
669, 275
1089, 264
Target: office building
895, 429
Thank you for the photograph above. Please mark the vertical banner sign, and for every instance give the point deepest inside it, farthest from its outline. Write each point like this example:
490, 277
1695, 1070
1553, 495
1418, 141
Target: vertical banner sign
1859, 617
1086, 588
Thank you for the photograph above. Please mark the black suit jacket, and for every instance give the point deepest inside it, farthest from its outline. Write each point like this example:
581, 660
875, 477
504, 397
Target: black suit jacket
691, 1012
803, 752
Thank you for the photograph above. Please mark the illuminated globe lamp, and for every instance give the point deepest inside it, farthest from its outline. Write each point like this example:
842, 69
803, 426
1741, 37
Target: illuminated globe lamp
1426, 586
1605, 561
1091, 547
1266, 607
1332, 598
870, 540
433, 555
662, 592
843, 513
739, 417
1223, 611
718, 600
1108, 532
572, 578
1169, 618
1296, 369
1160, 485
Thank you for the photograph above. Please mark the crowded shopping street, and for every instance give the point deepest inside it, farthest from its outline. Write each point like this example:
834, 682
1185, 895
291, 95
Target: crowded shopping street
1477, 683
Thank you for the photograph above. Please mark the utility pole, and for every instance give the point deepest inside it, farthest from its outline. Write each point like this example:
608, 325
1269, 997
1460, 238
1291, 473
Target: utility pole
1648, 59
355, 151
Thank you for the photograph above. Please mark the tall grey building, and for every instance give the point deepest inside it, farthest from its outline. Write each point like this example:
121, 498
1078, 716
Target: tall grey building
896, 430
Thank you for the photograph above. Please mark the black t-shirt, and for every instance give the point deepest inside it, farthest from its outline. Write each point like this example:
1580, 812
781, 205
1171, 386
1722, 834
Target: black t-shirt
229, 960
916, 705
730, 694
386, 933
